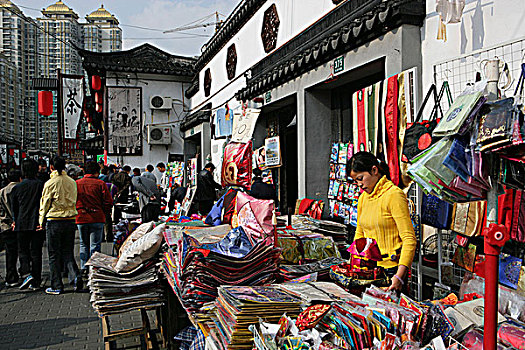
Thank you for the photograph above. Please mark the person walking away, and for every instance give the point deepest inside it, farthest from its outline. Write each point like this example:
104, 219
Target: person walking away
9, 236
43, 174
149, 197
58, 212
206, 186
108, 226
123, 181
93, 202
149, 173
260, 189
25, 202
112, 172
104, 174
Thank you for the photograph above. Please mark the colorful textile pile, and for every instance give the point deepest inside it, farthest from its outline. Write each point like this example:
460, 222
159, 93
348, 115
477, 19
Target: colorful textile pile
197, 264
321, 267
238, 307
305, 246
113, 292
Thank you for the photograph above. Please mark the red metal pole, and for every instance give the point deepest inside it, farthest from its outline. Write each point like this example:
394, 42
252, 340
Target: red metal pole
495, 237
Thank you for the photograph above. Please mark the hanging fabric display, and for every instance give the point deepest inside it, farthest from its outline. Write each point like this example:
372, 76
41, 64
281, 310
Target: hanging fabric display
391, 115
237, 165
72, 97
223, 122
360, 121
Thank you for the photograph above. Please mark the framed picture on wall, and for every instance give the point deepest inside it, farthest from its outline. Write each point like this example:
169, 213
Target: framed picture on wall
124, 120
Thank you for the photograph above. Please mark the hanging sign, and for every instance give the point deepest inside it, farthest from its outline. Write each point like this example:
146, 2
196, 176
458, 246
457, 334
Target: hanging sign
244, 125
72, 97
273, 152
268, 97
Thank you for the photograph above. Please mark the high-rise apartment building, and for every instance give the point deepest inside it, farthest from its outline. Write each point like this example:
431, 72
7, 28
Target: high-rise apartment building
18, 64
60, 25
101, 33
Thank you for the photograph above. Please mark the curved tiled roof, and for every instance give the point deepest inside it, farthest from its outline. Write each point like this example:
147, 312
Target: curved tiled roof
145, 58
350, 25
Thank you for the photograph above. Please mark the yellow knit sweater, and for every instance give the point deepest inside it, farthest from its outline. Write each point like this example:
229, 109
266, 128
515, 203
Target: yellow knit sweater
384, 216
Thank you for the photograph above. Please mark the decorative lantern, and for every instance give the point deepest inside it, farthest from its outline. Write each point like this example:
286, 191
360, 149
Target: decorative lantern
98, 98
96, 83
45, 103
98, 107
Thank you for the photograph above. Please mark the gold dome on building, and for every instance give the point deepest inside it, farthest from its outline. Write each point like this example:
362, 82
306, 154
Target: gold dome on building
59, 8
102, 14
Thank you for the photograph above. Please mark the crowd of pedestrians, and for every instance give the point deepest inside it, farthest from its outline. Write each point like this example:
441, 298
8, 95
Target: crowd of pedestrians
38, 206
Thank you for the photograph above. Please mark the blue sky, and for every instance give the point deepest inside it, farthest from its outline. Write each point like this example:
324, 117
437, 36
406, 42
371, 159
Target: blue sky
158, 15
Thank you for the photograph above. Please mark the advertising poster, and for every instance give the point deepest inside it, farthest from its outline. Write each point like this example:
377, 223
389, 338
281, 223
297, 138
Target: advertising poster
273, 152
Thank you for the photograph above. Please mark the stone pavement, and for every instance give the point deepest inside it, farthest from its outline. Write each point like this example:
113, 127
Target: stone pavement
35, 320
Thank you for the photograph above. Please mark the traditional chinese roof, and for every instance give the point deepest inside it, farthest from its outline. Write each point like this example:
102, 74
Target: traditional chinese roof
237, 19
350, 25
59, 8
145, 58
196, 118
101, 14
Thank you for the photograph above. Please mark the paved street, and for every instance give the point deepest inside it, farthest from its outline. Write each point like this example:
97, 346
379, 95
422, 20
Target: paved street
35, 320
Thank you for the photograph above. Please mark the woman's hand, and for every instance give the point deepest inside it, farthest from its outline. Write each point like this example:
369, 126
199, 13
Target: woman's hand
397, 279
396, 284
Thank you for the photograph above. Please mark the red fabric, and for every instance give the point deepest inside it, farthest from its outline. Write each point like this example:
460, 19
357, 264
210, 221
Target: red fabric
93, 200
305, 204
228, 206
505, 208
391, 116
237, 165
361, 125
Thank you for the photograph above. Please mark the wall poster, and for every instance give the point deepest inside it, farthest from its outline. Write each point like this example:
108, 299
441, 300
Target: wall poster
273, 152
124, 123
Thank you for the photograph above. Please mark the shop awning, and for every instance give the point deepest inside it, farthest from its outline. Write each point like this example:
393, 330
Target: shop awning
352, 24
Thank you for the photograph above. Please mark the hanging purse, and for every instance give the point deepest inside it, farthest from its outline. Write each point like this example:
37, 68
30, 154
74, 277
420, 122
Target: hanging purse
418, 135
435, 212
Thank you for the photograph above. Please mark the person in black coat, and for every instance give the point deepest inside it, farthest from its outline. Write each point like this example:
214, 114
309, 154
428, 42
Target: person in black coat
206, 186
260, 189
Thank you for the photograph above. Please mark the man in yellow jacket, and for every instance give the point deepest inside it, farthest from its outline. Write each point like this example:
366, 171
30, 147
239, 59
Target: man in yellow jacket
57, 213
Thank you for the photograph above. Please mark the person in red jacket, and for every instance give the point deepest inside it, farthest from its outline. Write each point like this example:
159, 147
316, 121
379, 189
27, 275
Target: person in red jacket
93, 202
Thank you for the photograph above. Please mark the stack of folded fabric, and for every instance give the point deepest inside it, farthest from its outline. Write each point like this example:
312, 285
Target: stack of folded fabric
321, 267
239, 306
113, 292
196, 269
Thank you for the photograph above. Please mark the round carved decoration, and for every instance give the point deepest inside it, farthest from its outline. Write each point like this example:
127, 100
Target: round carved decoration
270, 28
231, 61
207, 82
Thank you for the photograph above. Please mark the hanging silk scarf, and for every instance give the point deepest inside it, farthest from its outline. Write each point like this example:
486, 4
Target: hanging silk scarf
237, 165
371, 118
359, 121
391, 119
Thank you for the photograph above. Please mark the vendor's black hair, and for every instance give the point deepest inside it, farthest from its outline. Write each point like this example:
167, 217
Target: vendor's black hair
210, 166
126, 168
365, 161
161, 165
257, 172
92, 168
59, 164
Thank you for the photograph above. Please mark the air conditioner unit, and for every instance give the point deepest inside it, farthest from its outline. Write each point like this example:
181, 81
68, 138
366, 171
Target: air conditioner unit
159, 102
159, 135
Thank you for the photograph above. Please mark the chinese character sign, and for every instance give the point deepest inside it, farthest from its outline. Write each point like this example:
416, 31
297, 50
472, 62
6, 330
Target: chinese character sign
72, 97
124, 126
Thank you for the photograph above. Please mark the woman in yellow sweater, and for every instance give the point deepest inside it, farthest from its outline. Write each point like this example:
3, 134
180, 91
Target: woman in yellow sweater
382, 214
